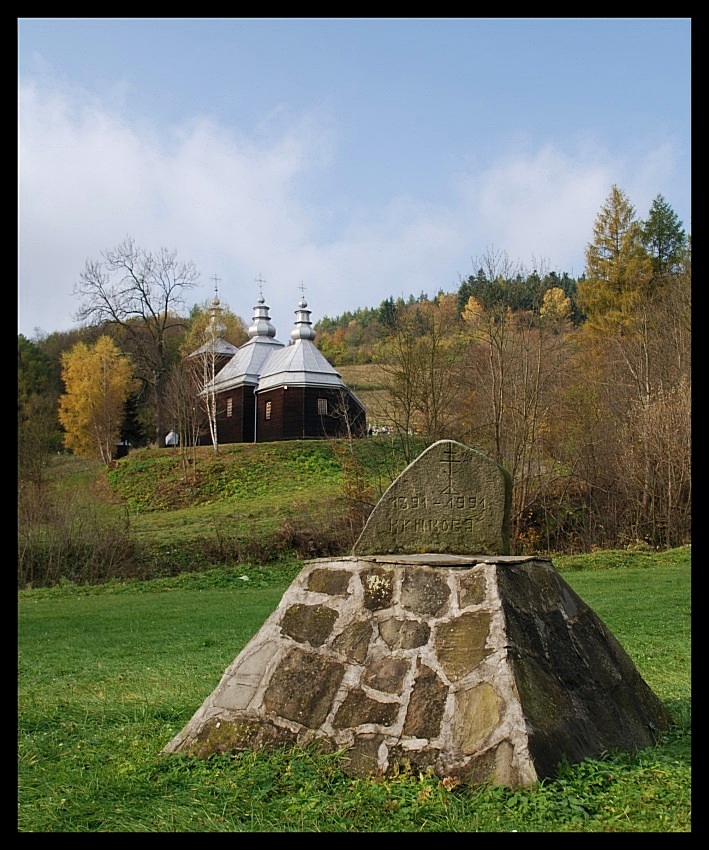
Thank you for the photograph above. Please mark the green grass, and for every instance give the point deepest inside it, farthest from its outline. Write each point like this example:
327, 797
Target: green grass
246, 491
160, 515
156, 479
640, 598
108, 674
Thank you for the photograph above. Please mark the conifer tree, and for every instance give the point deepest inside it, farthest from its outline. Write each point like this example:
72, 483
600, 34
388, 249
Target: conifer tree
617, 266
664, 238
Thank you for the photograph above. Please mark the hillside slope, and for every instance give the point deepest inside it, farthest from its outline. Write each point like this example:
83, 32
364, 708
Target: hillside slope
307, 496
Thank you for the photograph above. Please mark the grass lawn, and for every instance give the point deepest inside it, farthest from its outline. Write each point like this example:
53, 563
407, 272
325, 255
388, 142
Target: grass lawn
108, 674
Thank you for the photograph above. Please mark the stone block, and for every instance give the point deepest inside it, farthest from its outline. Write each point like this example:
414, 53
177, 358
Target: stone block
451, 499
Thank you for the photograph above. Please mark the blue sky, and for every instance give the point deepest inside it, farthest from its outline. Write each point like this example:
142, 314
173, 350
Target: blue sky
360, 158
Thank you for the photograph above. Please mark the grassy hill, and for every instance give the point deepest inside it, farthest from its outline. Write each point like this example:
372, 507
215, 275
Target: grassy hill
159, 512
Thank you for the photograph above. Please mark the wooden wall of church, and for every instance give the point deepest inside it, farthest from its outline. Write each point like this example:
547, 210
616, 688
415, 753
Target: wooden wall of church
294, 415
239, 427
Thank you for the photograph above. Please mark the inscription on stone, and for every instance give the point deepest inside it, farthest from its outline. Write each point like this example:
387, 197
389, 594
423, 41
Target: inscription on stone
451, 499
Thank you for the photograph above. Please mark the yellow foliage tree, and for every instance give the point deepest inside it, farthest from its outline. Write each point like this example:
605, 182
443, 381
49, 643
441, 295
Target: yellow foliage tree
98, 380
618, 269
556, 307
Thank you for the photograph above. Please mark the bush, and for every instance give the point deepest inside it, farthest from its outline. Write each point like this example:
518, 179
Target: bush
65, 539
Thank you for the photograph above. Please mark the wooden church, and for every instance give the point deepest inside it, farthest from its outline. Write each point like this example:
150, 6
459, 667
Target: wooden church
266, 390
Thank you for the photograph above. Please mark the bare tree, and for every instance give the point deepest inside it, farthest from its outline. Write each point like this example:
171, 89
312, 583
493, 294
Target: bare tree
638, 307
209, 367
516, 362
183, 412
356, 489
142, 294
421, 363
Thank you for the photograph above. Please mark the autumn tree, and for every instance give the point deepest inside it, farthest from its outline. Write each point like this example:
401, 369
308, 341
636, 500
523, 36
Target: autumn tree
421, 363
617, 266
516, 359
657, 444
142, 294
232, 329
556, 307
98, 381
332, 345
636, 329
582, 441
396, 355
487, 321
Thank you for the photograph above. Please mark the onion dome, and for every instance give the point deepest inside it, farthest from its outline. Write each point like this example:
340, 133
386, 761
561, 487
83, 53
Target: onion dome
261, 325
303, 326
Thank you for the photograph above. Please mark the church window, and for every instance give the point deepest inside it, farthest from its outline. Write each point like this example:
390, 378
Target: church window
229, 406
268, 410
322, 406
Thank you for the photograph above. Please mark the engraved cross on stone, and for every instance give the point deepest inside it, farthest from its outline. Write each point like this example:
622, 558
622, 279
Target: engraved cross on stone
449, 460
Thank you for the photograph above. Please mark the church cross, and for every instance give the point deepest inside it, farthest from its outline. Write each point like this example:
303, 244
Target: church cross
260, 282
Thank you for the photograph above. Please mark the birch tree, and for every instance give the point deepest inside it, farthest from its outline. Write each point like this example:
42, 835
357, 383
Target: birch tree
98, 380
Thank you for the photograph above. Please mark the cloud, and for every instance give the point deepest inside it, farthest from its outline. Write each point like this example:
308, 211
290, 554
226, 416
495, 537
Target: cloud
88, 178
242, 204
541, 205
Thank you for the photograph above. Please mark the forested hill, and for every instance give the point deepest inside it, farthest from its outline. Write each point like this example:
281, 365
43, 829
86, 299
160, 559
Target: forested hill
352, 338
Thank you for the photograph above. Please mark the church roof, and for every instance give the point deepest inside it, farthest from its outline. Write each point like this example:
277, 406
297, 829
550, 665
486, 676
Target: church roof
264, 363
215, 344
246, 364
219, 346
300, 363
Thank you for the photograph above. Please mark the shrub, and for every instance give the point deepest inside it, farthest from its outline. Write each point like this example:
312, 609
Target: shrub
65, 538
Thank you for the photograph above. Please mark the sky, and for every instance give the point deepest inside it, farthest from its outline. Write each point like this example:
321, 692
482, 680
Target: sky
348, 160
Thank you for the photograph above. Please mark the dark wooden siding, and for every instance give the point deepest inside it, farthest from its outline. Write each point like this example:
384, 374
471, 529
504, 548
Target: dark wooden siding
286, 415
239, 427
295, 416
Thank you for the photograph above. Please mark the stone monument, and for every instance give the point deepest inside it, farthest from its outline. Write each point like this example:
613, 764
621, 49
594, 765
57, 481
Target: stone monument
451, 499
480, 665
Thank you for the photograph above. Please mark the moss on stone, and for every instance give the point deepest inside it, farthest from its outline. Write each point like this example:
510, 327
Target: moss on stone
460, 644
378, 586
308, 623
332, 582
226, 736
